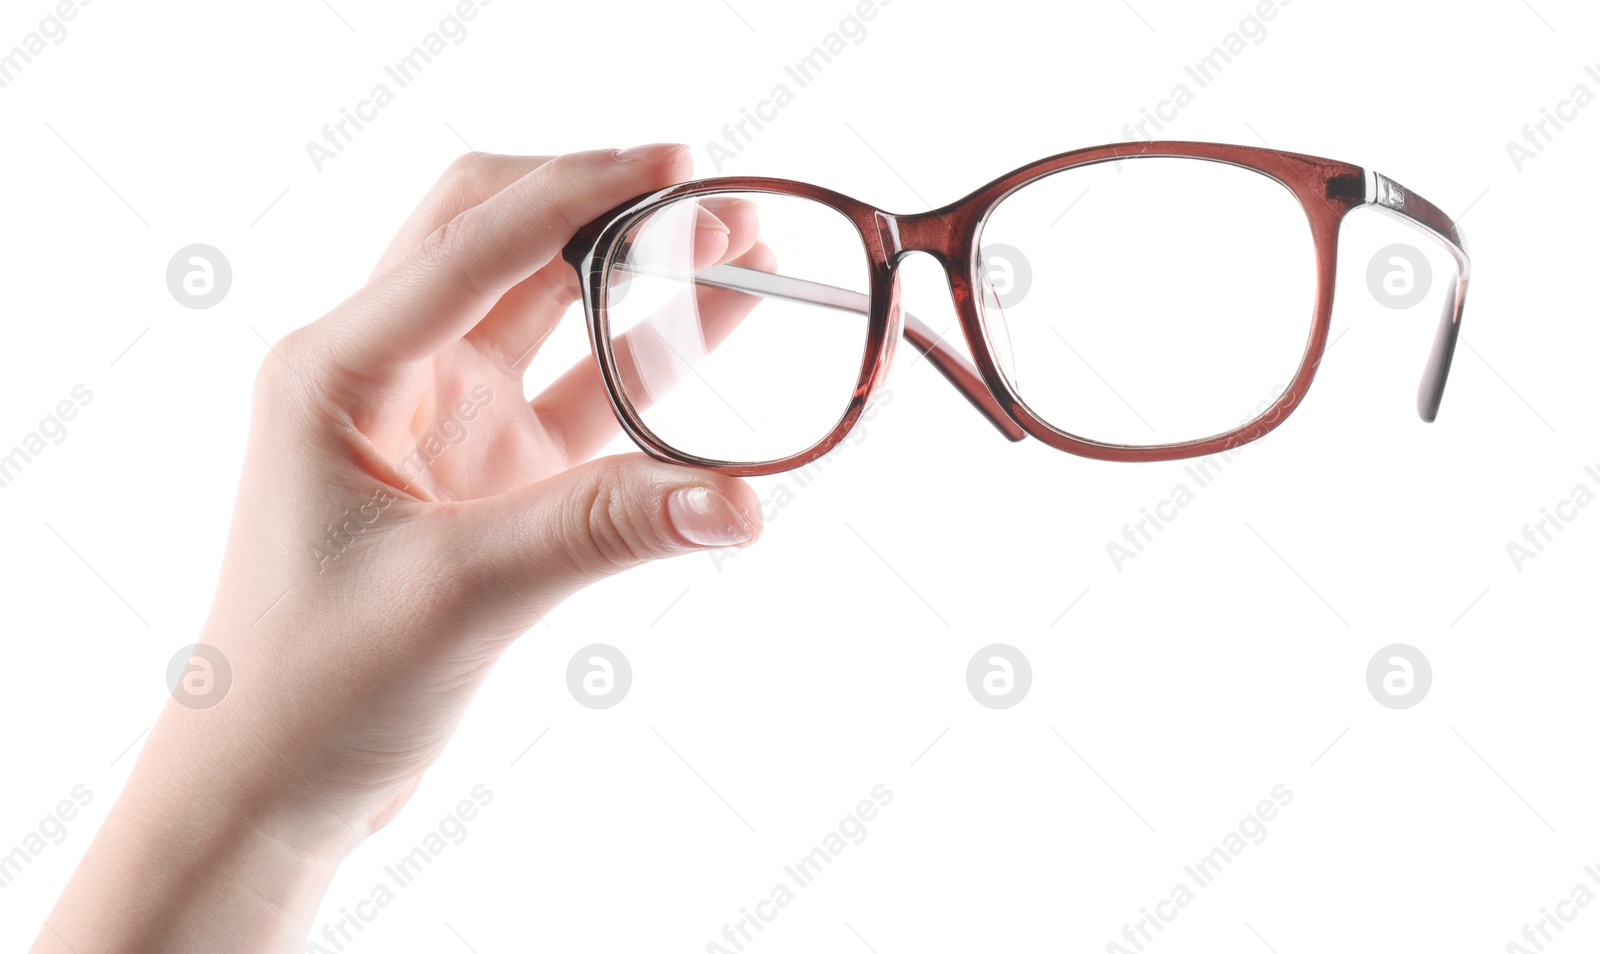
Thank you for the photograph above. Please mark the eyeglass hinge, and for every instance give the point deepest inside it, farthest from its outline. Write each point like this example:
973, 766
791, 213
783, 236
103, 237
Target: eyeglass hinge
1384, 191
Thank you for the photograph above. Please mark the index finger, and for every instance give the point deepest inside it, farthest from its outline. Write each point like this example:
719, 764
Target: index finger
435, 295
469, 181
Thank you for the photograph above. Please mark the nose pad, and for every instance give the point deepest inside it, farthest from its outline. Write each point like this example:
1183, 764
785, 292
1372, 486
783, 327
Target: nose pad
892, 338
994, 325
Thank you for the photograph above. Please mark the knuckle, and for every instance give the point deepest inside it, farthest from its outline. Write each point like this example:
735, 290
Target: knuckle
449, 249
444, 242
278, 370
556, 192
465, 169
292, 381
301, 381
611, 535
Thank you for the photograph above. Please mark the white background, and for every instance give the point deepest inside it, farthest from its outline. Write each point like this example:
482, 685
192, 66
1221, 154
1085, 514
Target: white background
1226, 659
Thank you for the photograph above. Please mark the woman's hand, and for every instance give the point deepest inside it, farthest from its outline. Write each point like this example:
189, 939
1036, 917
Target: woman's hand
403, 515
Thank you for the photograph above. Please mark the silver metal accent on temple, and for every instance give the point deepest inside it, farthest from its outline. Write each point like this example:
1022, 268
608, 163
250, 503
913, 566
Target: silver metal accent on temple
1386, 192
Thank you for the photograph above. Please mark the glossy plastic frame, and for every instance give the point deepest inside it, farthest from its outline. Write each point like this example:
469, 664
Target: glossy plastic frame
1327, 191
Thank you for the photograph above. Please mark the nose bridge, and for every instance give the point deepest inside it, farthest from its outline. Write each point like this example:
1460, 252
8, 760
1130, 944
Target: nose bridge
936, 233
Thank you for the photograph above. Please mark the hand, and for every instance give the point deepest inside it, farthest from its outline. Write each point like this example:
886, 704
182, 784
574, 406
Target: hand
403, 515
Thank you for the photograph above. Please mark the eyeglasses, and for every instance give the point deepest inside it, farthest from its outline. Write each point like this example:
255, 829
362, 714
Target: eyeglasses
1128, 302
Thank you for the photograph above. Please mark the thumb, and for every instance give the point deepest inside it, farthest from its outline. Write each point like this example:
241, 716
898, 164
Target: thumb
549, 540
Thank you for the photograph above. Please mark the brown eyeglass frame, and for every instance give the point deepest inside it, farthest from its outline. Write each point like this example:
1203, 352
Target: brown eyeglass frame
1327, 190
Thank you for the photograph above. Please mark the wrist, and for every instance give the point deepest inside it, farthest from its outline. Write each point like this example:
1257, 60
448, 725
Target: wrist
228, 775
208, 848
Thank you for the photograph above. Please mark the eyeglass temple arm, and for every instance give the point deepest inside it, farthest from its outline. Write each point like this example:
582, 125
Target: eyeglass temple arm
1386, 194
956, 369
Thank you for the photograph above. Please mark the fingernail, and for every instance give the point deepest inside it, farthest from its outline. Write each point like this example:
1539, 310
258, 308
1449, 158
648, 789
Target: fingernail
706, 518
659, 150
